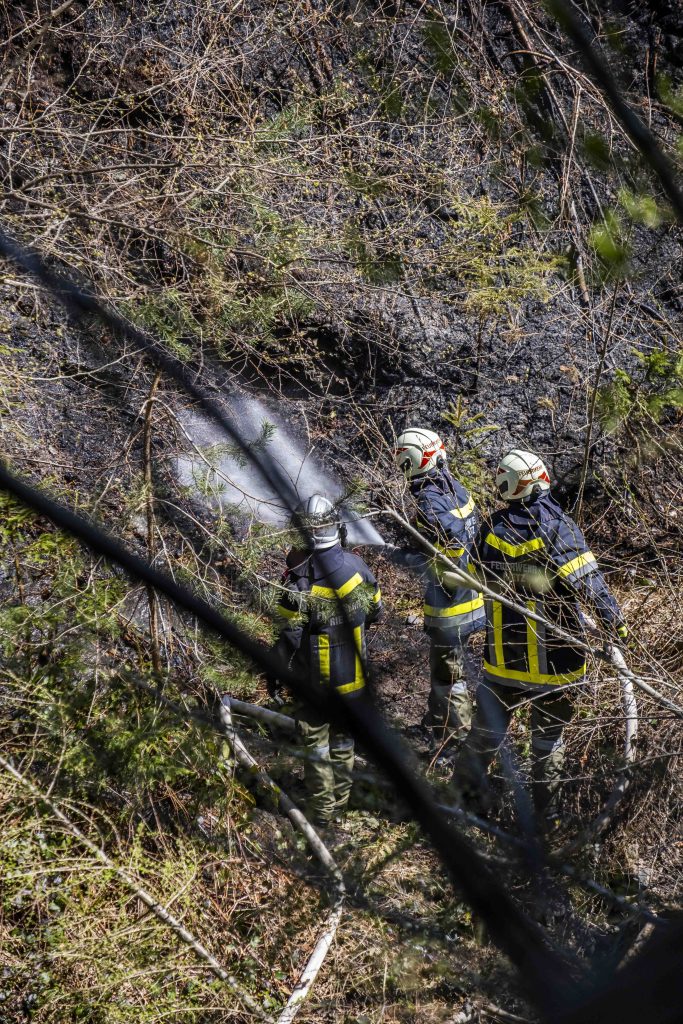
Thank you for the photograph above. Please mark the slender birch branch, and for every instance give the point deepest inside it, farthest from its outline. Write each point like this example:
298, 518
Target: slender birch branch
315, 961
244, 758
260, 714
327, 935
288, 807
151, 524
630, 705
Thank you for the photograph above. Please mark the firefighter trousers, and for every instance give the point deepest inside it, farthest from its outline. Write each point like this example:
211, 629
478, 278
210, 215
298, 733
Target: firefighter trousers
449, 705
550, 713
328, 766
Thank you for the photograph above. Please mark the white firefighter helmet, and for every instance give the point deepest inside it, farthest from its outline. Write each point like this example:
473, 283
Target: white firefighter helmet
418, 451
521, 474
319, 521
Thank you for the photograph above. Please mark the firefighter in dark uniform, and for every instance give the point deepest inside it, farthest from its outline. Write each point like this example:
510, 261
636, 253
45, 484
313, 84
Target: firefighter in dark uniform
447, 517
535, 554
329, 600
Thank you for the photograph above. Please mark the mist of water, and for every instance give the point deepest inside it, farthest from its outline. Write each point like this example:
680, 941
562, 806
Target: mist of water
227, 480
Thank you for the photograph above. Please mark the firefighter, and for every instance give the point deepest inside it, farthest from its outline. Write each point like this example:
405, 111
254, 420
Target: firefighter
448, 518
329, 600
536, 555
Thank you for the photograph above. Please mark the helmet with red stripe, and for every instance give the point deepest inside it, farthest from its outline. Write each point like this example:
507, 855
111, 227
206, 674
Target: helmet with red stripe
419, 451
521, 474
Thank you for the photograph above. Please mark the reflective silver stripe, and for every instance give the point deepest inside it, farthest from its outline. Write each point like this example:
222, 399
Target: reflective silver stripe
342, 743
547, 746
319, 753
459, 688
579, 566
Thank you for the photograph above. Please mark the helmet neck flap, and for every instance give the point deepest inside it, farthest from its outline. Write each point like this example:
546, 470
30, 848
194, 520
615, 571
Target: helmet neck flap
419, 452
319, 523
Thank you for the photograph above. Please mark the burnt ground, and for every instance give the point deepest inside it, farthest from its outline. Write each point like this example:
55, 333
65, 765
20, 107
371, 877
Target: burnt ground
367, 243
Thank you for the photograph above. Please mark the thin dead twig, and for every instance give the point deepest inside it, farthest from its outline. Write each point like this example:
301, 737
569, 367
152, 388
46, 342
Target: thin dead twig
150, 520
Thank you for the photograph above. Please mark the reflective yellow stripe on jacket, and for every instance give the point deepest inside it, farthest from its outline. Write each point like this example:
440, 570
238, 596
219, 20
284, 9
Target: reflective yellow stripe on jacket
498, 633
343, 591
324, 662
539, 678
464, 511
456, 609
287, 613
449, 552
359, 680
532, 641
514, 550
324, 658
587, 558
535, 655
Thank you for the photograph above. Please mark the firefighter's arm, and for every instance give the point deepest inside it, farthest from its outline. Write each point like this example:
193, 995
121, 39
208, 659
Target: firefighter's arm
448, 530
577, 567
477, 566
480, 562
375, 610
407, 558
290, 618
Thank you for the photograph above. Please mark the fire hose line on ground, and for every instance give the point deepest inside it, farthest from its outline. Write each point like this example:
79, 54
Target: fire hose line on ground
554, 858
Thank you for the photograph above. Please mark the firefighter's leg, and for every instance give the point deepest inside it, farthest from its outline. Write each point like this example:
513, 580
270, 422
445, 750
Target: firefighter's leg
341, 756
495, 705
449, 707
549, 715
318, 772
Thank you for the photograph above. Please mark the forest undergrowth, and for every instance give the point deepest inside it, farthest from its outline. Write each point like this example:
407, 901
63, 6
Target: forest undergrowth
373, 214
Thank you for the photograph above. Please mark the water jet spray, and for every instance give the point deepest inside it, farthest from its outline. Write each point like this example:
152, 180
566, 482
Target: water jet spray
228, 481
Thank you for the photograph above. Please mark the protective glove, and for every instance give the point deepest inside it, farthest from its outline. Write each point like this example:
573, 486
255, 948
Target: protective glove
393, 553
612, 648
450, 581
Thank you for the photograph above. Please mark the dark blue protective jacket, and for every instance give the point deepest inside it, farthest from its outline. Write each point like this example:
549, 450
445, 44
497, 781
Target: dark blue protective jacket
447, 517
330, 598
535, 554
